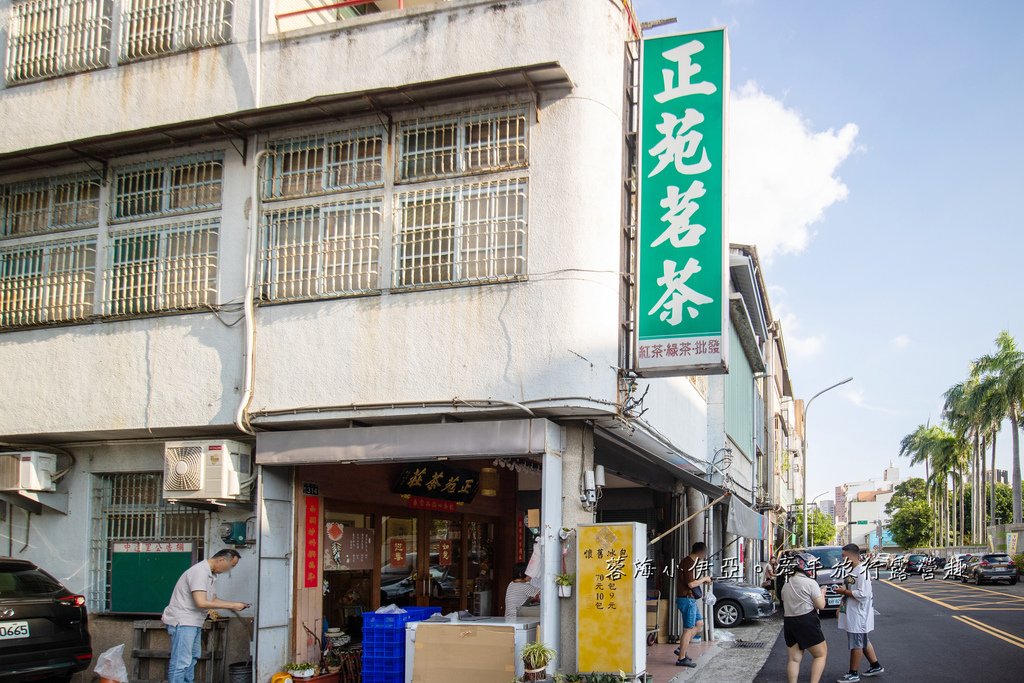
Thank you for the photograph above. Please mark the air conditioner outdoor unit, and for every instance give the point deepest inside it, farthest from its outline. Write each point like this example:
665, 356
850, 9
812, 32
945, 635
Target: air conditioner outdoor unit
214, 471
27, 471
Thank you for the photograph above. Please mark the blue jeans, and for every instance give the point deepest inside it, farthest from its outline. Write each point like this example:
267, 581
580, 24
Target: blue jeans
186, 646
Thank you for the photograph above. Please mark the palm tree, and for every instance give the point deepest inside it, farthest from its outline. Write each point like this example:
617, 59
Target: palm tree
948, 456
1007, 366
960, 411
915, 446
993, 410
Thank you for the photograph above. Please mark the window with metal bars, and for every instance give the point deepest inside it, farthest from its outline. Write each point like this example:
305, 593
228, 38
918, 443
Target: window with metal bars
168, 187
168, 267
151, 28
47, 282
460, 234
462, 145
319, 251
322, 164
48, 38
130, 507
48, 205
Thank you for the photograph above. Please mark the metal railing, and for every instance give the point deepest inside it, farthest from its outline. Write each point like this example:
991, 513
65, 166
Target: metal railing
334, 6
481, 142
130, 507
319, 164
151, 28
55, 37
460, 234
317, 251
161, 268
168, 187
46, 282
49, 204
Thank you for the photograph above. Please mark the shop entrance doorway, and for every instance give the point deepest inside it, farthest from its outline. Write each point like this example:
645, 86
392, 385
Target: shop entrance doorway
437, 560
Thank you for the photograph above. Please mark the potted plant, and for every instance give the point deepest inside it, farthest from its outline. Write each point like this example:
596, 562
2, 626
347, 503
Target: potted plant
301, 669
332, 660
564, 583
536, 657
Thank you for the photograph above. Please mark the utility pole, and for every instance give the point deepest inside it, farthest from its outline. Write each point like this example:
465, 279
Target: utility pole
806, 409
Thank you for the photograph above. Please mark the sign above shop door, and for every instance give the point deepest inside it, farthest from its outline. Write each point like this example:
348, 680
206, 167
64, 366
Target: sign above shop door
437, 480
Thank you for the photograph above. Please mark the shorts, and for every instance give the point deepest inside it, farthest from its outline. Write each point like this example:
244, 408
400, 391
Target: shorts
691, 613
857, 641
803, 631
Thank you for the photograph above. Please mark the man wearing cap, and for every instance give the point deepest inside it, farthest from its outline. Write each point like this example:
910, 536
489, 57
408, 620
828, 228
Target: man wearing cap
857, 615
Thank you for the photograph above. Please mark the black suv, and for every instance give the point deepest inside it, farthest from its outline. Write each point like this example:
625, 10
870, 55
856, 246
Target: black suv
44, 628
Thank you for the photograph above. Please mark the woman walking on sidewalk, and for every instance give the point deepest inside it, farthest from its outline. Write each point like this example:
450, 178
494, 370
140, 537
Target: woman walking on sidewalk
801, 600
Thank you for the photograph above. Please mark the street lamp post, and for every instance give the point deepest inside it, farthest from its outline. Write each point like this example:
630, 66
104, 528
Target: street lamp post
806, 409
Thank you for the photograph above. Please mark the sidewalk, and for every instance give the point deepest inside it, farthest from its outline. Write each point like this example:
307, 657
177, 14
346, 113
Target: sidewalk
719, 661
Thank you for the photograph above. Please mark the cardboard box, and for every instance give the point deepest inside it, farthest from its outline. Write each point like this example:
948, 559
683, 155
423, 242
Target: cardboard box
464, 652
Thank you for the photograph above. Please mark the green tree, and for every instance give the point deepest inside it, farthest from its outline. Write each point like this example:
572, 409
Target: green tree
911, 526
820, 527
1004, 506
1006, 364
909, 491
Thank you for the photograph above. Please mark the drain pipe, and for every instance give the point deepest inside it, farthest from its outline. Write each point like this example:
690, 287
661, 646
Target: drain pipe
249, 306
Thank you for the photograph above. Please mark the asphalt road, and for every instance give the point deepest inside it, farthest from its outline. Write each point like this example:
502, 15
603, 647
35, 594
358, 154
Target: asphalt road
930, 631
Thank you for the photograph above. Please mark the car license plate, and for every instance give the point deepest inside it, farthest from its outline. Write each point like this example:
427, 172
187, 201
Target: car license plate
10, 630
832, 602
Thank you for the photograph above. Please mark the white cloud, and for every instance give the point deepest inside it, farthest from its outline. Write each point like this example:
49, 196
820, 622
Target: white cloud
855, 396
799, 345
901, 341
782, 172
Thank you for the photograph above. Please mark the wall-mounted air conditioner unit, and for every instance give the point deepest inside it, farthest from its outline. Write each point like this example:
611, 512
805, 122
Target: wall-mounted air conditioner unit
213, 471
27, 471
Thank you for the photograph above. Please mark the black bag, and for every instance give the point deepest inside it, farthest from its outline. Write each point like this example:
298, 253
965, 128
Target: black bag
696, 592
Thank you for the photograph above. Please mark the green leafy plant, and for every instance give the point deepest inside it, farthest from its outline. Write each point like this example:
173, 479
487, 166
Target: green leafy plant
565, 579
537, 655
1018, 560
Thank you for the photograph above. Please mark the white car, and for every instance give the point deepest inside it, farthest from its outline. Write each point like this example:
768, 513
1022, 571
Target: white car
884, 558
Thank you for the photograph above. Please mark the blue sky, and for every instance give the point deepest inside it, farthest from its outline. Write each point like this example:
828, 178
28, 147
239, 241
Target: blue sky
905, 266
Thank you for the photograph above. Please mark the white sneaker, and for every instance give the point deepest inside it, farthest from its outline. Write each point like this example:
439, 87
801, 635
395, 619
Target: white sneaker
848, 678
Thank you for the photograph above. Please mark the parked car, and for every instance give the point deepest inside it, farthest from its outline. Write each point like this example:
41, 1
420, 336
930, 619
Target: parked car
991, 567
828, 556
958, 565
884, 558
44, 627
916, 561
736, 601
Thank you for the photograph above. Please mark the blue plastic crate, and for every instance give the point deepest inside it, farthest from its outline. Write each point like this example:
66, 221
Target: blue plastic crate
383, 643
383, 678
387, 666
372, 620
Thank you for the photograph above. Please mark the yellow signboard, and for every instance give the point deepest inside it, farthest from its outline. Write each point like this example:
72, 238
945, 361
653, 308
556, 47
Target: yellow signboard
1012, 541
611, 598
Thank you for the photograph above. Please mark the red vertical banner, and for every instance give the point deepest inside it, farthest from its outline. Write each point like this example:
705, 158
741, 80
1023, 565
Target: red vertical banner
444, 553
520, 538
311, 559
396, 553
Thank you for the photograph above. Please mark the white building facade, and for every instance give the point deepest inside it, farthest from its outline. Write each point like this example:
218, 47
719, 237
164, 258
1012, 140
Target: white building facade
352, 240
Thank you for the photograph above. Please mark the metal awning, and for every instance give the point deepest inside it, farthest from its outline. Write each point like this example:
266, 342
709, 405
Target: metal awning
240, 125
403, 443
640, 454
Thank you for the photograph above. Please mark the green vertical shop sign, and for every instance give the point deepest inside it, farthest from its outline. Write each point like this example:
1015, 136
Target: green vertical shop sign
682, 239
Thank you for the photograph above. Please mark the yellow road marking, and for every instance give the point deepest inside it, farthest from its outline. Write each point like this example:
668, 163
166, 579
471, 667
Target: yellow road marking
968, 587
991, 609
985, 630
924, 597
1017, 639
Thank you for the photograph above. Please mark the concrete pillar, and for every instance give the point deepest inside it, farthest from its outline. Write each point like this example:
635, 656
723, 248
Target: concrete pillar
551, 524
578, 456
